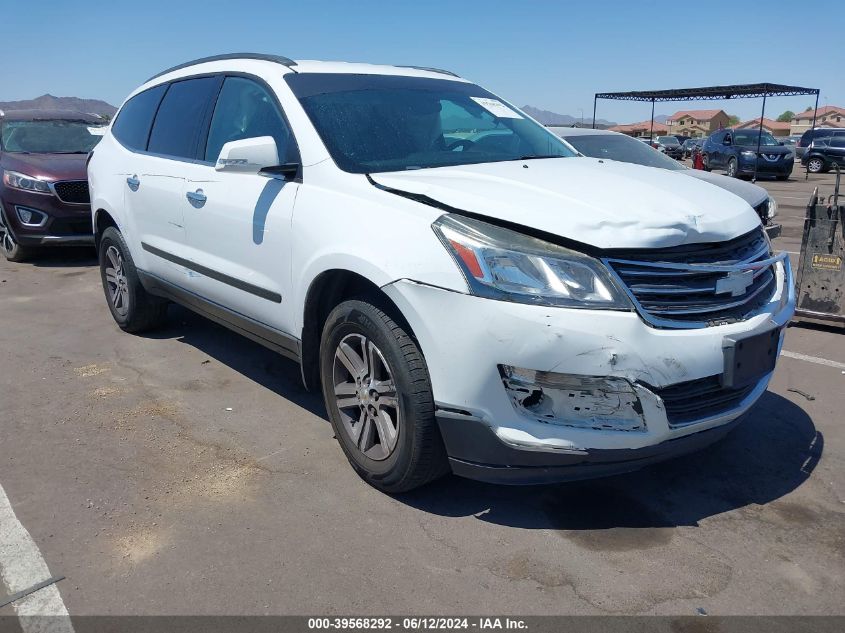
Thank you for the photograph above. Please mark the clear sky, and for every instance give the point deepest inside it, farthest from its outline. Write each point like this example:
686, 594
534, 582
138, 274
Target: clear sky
552, 55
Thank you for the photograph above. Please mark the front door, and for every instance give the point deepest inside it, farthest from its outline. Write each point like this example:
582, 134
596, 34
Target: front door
239, 224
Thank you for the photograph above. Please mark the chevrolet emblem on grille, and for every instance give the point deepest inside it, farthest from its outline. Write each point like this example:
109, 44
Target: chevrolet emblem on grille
735, 282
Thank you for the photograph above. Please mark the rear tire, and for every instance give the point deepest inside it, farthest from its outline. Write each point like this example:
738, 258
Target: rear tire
815, 165
379, 399
133, 308
11, 250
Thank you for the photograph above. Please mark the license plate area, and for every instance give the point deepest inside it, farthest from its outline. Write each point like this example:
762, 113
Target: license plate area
749, 357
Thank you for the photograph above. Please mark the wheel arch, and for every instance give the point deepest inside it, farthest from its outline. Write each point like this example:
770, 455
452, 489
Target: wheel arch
102, 220
327, 290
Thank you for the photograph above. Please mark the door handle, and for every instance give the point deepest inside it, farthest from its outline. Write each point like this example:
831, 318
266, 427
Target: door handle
133, 182
196, 198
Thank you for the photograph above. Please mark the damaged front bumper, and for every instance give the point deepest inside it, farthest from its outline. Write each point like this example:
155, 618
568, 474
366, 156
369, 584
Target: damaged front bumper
532, 394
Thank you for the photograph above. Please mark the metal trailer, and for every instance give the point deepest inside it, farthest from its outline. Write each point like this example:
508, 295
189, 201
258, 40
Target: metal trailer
821, 273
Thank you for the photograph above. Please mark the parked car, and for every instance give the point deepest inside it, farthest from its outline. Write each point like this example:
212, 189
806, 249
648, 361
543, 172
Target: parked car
689, 144
616, 146
682, 138
735, 151
670, 146
810, 135
499, 308
824, 153
43, 185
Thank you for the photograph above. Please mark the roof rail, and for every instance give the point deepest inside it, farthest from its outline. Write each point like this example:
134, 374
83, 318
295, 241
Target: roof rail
278, 59
431, 70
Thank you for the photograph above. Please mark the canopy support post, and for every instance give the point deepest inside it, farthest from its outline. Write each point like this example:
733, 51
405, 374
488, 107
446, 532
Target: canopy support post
815, 112
759, 138
651, 131
595, 99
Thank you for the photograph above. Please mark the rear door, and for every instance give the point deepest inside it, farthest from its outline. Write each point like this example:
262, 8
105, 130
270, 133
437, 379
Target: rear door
716, 156
160, 181
239, 224
836, 151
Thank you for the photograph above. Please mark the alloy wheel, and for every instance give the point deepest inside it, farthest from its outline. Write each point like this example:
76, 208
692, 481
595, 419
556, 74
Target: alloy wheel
365, 396
7, 241
815, 165
731, 170
116, 281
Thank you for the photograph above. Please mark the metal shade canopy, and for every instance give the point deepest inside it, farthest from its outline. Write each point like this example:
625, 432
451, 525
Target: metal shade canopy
712, 93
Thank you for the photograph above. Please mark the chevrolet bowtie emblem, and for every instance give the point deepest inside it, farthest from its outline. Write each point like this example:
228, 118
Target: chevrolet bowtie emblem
735, 282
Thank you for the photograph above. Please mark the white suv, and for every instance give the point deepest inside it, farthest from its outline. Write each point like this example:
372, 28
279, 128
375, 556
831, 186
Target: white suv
469, 295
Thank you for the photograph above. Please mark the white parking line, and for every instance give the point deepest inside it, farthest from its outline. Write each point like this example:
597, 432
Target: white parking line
21, 567
813, 359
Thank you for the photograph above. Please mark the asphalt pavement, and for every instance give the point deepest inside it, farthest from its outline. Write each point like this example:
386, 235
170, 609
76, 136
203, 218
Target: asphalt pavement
186, 471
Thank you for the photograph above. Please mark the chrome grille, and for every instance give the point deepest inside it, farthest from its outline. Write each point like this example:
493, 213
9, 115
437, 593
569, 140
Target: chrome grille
73, 191
700, 284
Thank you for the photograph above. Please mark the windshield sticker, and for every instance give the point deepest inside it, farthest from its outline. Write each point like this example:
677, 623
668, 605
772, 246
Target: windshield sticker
496, 108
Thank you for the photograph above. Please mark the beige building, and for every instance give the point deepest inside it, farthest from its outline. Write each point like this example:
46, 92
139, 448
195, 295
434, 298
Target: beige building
775, 128
697, 123
641, 130
828, 116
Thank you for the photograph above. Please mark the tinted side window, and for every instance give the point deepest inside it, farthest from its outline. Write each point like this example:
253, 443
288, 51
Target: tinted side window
179, 122
838, 142
245, 109
132, 127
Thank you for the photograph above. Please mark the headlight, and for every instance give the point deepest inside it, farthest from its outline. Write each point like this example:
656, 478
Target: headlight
749, 155
17, 180
502, 264
773, 208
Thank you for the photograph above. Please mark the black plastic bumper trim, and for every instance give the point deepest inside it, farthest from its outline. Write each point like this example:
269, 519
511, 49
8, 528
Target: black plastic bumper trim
476, 453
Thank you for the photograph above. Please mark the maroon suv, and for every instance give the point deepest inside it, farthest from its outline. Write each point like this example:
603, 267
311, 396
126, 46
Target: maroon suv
43, 182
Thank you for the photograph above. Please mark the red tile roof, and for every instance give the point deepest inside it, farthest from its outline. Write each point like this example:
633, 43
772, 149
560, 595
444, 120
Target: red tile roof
769, 124
821, 111
701, 115
636, 127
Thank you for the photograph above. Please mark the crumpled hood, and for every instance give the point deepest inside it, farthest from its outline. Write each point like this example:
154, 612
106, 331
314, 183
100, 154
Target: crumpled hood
47, 166
603, 203
751, 193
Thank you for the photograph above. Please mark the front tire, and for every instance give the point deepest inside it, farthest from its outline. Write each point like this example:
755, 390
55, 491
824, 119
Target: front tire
9, 247
379, 399
815, 165
133, 308
731, 169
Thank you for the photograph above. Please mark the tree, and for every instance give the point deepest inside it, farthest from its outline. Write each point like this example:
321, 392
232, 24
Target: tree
808, 108
786, 117
733, 120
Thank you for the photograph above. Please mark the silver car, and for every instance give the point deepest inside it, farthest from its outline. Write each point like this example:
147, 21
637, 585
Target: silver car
616, 146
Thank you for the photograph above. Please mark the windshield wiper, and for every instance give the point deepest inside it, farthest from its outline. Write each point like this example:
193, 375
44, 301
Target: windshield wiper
536, 157
76, 152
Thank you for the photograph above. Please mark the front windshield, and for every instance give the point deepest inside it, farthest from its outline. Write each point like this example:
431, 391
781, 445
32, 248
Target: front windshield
378, 123
667, 140
742, 137
622, 148
49, 137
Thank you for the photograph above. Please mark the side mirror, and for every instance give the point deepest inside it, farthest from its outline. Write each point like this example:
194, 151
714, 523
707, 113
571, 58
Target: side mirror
780, 142
727, 141
248, 155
